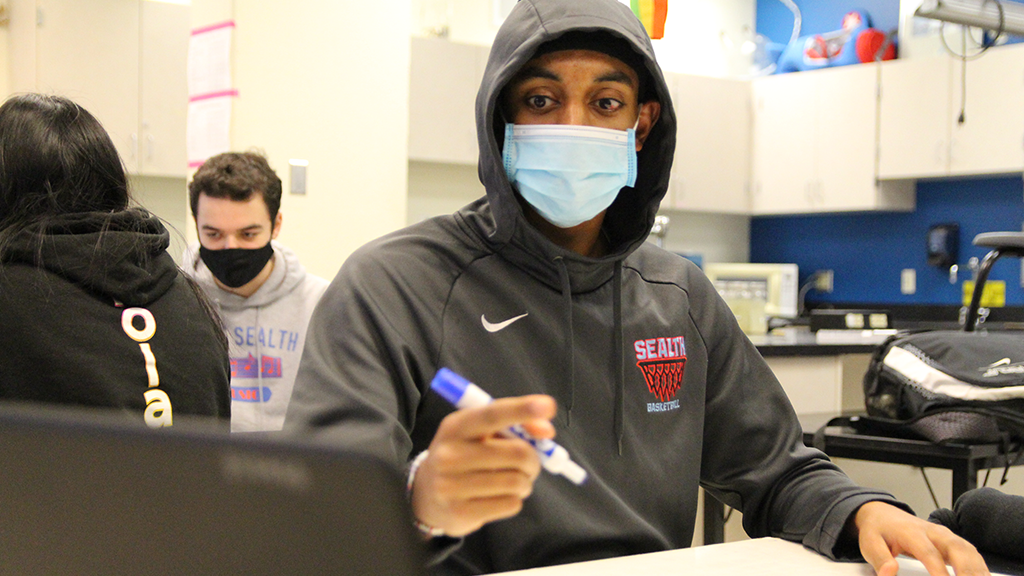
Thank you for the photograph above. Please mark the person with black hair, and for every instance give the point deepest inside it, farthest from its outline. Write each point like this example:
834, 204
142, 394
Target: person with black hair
94, 310
547, 295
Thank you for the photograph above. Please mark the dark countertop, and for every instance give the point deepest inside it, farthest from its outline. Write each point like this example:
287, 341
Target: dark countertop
802, 342
934, 316
805, 343
798, 340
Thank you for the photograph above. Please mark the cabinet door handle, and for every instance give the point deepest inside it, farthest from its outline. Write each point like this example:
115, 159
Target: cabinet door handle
135, 146
150, 145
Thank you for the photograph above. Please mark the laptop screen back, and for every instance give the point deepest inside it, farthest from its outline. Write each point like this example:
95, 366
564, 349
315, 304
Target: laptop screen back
82, 493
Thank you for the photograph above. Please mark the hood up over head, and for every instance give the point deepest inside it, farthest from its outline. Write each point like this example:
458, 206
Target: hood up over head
534, 26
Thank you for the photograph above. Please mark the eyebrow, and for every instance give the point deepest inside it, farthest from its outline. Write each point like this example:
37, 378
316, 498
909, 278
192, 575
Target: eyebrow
538, 72
250, 228
618, 76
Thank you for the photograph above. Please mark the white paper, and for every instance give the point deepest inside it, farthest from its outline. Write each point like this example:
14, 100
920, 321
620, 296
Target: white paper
209, 59
209, 127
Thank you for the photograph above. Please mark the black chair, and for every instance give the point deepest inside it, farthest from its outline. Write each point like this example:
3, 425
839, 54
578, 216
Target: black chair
1001, 244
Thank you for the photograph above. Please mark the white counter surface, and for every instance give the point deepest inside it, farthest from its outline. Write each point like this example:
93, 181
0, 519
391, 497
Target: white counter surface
762, 556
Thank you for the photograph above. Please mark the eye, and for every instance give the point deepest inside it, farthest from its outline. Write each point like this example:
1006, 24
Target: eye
212, 235
609, 104
538, 101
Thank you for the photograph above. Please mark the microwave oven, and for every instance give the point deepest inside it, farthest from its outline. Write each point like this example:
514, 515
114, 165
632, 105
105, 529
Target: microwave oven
755, 292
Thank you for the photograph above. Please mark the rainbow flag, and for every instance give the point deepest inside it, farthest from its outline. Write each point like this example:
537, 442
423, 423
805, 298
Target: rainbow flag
652, 14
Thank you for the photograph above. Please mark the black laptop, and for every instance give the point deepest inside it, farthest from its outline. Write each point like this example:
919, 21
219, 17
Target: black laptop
90, 493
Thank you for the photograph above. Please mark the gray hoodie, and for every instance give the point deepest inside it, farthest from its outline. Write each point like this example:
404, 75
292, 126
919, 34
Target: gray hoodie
266, 333
658, 389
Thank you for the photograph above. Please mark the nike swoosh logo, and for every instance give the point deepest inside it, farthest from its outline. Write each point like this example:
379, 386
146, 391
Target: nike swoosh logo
1003, 362
490, 327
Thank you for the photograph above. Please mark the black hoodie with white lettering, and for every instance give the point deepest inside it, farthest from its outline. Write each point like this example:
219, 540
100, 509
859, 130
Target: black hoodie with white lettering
96, 313
659, 391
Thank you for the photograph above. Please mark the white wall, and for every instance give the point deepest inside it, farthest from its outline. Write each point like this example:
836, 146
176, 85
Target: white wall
206, 12
326, 82
21, 45
703, 37
5, 60
464, 21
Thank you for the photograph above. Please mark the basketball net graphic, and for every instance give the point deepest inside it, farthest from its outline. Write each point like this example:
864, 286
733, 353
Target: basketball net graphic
664, 377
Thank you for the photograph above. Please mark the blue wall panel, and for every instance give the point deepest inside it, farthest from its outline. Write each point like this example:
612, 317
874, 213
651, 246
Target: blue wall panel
867, 251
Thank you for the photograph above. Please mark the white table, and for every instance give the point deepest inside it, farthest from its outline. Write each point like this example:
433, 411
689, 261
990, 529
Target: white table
762, 556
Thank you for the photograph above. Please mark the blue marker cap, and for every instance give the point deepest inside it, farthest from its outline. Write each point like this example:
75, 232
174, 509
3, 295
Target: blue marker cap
449, 385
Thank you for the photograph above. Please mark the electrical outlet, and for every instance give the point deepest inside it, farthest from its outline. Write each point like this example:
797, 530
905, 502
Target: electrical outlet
823, 281
908, 281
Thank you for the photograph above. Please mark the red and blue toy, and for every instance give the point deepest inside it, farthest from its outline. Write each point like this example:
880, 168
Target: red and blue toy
854, 43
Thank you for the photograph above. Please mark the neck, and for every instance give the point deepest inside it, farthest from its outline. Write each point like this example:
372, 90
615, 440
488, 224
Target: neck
584, 239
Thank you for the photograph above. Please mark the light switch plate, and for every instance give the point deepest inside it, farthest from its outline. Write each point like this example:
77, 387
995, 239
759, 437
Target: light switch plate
297, 175
908, 281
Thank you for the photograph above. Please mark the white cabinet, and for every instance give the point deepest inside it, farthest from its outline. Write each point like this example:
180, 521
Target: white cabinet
815, 143
785, 131
991, 138
124, 61
89, 52
443, 82
921, 98
711, 168
163, 90
914, 118
822, 384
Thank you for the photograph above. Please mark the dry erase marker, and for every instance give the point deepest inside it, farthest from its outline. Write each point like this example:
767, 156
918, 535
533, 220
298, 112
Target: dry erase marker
464, 394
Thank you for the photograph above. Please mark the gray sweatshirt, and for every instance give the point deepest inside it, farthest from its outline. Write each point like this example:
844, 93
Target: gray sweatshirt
266, 333
659, 391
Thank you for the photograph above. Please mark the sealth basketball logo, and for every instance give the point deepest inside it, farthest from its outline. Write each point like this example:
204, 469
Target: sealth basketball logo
662, 362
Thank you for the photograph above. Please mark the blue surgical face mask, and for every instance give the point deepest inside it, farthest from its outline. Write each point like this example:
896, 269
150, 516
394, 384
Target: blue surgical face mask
569, 174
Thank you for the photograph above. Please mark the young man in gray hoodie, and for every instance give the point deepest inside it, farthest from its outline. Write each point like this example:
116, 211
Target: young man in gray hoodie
545, 294
264, 295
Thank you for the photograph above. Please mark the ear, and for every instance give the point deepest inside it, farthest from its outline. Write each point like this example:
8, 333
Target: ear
649, 114
277, 226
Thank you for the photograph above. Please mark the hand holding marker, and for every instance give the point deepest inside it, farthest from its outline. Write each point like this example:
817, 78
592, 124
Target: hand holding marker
464, 394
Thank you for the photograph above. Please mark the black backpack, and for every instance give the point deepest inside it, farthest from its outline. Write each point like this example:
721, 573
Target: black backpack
952, 386
948, 386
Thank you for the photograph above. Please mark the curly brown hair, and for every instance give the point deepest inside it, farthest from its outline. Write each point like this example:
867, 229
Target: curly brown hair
237, 176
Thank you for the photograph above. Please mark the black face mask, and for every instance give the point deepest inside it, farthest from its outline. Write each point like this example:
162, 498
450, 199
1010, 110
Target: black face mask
236, 267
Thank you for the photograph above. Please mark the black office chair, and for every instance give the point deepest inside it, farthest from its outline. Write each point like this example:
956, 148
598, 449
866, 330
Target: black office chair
1001, 244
